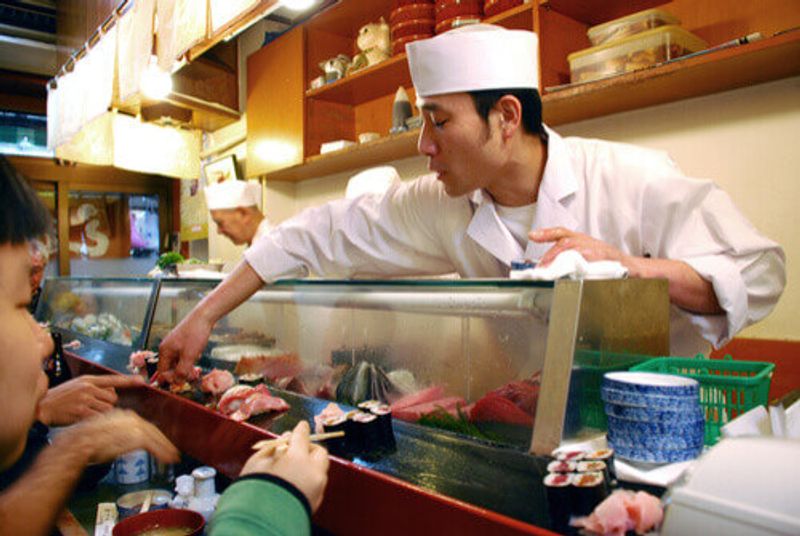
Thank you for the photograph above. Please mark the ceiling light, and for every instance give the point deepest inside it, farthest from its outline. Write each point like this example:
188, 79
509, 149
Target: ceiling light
156, 83
298, 5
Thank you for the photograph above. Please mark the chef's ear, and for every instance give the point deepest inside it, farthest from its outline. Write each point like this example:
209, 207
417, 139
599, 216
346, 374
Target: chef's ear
510, 109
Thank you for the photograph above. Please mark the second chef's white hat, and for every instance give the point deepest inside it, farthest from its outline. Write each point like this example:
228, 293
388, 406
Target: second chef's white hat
232, 194
474, 58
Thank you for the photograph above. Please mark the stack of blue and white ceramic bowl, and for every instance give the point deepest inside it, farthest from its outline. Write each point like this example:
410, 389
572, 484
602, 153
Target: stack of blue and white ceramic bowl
654, 418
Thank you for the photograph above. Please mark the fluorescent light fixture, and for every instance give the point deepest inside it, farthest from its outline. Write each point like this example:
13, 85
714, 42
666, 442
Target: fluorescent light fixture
297, 5
156, 83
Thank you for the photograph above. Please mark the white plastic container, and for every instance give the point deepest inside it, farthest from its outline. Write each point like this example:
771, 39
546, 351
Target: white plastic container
623, 27
632, 53
741, 487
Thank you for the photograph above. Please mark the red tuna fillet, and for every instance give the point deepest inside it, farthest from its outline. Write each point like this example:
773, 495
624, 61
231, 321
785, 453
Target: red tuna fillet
496, 408
449, 404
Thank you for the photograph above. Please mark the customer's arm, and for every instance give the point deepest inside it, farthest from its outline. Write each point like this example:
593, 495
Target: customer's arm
31, 505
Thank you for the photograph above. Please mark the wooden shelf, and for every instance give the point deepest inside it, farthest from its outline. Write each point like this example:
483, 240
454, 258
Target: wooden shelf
364, 155
384, 78
587, 12
721, 70
367, 84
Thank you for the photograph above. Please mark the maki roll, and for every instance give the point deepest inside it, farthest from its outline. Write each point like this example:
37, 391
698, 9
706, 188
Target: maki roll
594, 466
569, 455
365, 433
336, 445
558, 490
560, 467
383, 413
589, 490
607, 456
367, 405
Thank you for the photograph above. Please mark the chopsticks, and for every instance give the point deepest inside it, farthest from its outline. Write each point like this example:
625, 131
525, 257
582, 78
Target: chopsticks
284, 440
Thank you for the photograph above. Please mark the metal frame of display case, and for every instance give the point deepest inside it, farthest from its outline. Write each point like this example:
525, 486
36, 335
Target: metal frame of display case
583, 314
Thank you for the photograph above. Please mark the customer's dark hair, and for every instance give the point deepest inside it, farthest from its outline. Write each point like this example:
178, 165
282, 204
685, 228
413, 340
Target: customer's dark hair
23, 216
531, 106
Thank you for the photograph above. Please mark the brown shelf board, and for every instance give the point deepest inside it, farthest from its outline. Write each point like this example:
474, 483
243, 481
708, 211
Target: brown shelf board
517, 18
351, 158
592, 12
769, 59
367, 84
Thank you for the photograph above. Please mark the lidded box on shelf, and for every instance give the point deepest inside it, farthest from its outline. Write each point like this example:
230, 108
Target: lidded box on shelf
635, 23
632, 53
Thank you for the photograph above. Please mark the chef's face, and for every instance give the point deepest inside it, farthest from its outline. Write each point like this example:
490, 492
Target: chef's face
463, 149
231, 223
23, 347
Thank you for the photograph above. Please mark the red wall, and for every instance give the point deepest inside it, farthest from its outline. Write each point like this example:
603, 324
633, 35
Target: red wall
785, 355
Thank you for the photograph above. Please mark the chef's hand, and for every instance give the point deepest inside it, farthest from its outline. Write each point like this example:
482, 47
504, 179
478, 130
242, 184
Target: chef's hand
303, 464
590, 248
104, 437
180, 349
82, 397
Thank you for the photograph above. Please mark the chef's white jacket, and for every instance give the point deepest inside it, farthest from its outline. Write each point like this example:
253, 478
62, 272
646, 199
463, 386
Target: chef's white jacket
261, 231
633, 198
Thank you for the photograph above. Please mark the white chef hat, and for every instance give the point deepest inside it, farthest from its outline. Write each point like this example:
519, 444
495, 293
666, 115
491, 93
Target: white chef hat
474, 58
232, 194
371, 181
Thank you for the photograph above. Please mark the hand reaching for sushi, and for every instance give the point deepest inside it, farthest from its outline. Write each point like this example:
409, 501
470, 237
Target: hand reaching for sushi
182, 347
104, 437
302, 464
82, 397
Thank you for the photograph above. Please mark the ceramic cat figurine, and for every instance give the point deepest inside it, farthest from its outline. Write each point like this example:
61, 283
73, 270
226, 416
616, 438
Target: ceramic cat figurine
374, 45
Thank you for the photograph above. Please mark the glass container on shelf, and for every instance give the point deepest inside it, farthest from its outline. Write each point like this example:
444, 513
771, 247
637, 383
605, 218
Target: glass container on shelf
109, 310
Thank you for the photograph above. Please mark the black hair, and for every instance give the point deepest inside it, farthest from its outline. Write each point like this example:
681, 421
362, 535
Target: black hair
531, 107
23, 216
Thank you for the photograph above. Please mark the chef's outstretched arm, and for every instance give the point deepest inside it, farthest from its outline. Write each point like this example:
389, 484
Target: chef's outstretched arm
687, 289
184, 344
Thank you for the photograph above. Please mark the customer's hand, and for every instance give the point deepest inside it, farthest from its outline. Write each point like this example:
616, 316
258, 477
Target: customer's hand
303, 464
104, 437
82, 397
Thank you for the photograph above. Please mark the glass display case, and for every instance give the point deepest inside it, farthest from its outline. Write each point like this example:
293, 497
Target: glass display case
479, 373
114, 311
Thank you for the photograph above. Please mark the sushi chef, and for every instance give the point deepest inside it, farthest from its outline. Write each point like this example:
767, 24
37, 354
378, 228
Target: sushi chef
233, 206
275, 494
503, 187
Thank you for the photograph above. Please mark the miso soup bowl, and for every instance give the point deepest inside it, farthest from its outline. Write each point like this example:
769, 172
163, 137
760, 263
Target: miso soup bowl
161, 519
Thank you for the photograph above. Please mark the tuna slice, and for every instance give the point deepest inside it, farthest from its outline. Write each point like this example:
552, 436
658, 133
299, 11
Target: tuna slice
420, 397
242, 402
449, 404
217, 382
495, 408
278, 364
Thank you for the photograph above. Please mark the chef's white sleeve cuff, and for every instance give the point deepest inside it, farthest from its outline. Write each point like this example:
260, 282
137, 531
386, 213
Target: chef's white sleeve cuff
731, 292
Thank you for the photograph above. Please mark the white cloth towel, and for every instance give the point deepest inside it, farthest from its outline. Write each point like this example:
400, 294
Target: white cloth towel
571, 264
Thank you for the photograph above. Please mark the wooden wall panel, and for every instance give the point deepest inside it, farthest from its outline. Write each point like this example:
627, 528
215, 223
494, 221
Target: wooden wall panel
275, 91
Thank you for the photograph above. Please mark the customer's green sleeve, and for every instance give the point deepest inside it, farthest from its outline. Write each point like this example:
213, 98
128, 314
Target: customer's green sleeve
264, 505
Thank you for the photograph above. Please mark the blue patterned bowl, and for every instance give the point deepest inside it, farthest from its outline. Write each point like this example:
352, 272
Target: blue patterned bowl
639, 454
689, 429
693, 412
649, 383
655, 442
657, 402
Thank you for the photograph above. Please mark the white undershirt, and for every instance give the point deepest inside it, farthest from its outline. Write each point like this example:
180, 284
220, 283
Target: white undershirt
518, 220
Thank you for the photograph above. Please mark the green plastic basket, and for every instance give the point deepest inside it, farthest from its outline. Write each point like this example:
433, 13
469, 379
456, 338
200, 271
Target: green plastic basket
588, 369
728, 388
